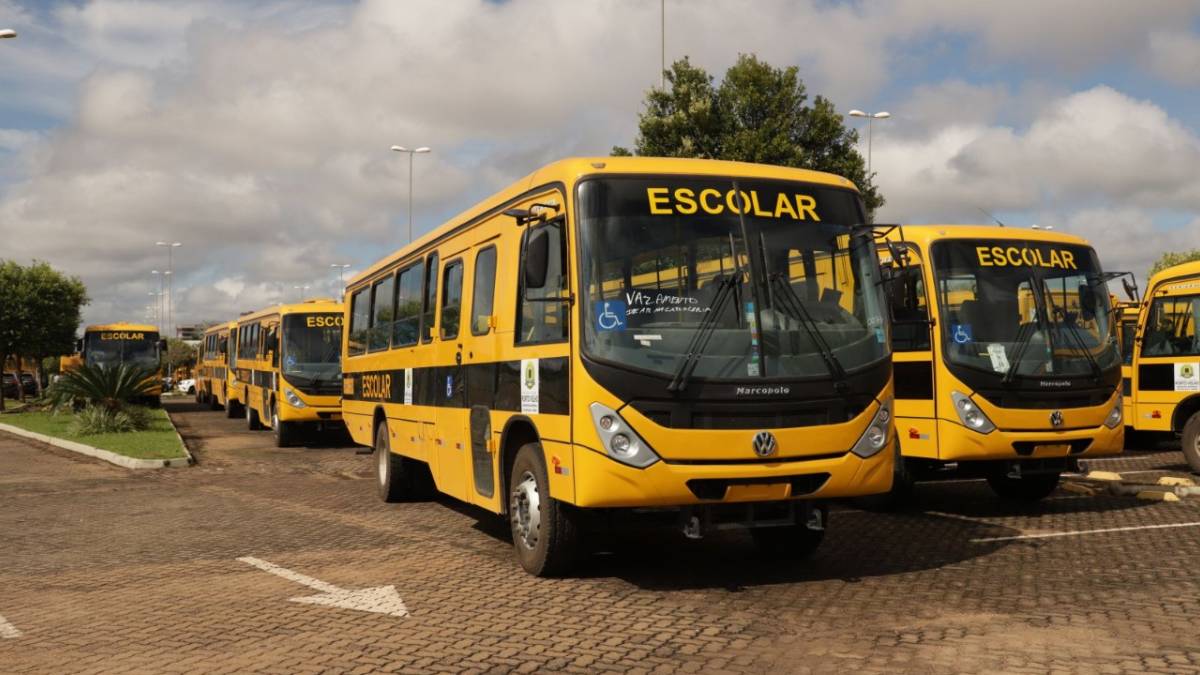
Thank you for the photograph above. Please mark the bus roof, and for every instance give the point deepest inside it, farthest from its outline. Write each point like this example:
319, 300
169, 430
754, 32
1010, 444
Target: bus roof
1187, 270
568, 171
306, 307
923, 235
123, 326
222, 327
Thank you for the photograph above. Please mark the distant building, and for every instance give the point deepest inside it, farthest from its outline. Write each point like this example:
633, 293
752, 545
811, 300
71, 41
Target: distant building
190, 333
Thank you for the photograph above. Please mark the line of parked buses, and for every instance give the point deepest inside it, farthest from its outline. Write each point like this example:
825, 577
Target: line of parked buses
725, 344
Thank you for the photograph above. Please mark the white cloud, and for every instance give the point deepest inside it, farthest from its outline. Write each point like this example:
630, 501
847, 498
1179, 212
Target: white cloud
1175, 56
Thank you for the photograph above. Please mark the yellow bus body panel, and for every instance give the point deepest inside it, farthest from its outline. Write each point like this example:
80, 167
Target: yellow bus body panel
1158, 410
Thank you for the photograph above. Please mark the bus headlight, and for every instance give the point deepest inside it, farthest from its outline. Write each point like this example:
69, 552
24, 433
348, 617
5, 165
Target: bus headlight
292, 399
970, 415
1116, 415
876, 436
620, 441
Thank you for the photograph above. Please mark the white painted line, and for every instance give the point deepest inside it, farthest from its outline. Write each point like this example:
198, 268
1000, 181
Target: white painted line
380, 600
968, 519
7, 630
1047, 535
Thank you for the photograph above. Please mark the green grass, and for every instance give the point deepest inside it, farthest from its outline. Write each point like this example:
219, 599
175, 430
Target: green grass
157, 442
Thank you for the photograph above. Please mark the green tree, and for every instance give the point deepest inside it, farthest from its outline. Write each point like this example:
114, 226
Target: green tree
14, 314
1172, 258
54, 302
758, 113
180, 354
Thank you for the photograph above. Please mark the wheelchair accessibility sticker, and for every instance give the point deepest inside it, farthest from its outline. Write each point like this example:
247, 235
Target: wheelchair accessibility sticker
610, 314
961, 333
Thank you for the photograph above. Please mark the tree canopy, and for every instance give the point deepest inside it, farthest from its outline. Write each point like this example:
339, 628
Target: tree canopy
1172, 258
40, 311
758, 113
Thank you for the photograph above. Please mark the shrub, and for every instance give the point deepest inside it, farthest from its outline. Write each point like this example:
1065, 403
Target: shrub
109, 387
96, 419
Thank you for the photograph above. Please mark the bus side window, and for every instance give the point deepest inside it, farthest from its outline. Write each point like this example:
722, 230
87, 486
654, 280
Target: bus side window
360, 319
382, 314
483, 291
429, 305
452, 280
542, 318
408, 307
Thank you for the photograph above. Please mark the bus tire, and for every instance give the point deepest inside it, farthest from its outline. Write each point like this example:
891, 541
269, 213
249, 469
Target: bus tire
231, 408
789, 542
214, 403
1190, 443
901, 494
285, 432
545, 531
392, 477
252, 421
1025, 489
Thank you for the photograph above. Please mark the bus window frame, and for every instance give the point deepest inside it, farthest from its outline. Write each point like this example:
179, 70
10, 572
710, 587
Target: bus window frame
447, 267
375, 284
490, 248
432, 270
566, 298
354, 298
417, 266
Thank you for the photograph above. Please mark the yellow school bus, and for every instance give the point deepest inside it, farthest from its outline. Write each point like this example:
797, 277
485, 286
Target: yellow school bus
1166, 359
214, 375
288, 367
1006, 356
704, 339
114, 344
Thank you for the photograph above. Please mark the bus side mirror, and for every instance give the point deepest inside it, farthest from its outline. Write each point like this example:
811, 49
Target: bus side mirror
899, 253
537, 255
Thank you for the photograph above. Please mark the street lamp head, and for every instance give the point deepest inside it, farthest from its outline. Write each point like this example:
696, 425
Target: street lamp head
857, 113
421, 150
399, 148
172, 244
7, 33
882, 115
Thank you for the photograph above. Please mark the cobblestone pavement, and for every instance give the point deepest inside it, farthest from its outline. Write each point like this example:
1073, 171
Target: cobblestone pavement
108, 570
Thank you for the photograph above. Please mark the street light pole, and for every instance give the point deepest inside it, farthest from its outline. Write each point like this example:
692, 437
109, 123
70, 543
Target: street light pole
421, 150
341, 268
162, 282
662, 71
871, 117
171, 246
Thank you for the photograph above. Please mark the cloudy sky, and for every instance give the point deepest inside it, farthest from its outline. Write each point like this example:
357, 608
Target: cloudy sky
257, 133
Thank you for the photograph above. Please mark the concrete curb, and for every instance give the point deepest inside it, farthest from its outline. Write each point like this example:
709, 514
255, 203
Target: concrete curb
106, 455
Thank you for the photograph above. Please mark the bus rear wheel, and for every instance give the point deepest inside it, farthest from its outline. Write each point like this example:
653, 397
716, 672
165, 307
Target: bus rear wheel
252, 421
1029, 488
397, 477
791, 542
1191, 442
231, 408
545, 531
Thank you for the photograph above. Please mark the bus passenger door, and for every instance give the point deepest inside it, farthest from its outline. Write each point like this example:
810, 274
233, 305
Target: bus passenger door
450, 445
480, 358
912, 359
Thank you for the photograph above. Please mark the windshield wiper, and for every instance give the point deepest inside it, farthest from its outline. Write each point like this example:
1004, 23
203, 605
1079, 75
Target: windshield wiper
1073, 331
1025, 337
794, 306
704, 331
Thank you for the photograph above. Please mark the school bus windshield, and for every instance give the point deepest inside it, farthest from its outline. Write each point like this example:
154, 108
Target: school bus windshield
1036, 308
113, 348
311, 354
802, 298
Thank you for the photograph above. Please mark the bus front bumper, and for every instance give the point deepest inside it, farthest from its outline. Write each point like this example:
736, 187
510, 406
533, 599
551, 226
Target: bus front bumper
957, 443
601, 482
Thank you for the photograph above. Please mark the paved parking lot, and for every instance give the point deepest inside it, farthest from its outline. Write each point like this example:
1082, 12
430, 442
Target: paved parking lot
107, 570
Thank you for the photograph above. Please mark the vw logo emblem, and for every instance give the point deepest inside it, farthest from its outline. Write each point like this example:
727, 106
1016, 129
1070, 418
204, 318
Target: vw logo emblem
764, 444
1056, 418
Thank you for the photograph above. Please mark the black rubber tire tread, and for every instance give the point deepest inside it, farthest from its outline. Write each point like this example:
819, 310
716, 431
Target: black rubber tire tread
408, 480
252, 421
558, 542
284, 432
1025, 489
232, 409
790, 542
1190, 442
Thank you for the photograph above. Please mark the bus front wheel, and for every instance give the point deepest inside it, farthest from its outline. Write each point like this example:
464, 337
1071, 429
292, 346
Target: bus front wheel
284, 431
1191, 442
791, 542
545, 531
1029, 488
252, 421
231, 408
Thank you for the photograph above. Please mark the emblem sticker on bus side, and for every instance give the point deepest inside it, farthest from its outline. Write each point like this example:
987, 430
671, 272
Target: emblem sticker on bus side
529, 386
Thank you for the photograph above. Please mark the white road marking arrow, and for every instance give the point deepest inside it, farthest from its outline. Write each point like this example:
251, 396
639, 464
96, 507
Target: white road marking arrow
381, 600
7, 630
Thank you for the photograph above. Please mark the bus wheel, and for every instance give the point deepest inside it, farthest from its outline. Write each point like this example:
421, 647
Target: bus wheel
1026, 488
545, 531
252, 421
199, 396
231, 408
790, 542
214, 403
284, 431
1191, 442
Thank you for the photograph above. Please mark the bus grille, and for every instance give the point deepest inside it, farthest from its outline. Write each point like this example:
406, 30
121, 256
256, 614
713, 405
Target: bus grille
714, 488
756, 415
1026, 399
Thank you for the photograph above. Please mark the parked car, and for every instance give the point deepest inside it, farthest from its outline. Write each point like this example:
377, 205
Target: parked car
188, 386
29, 384
9, 382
